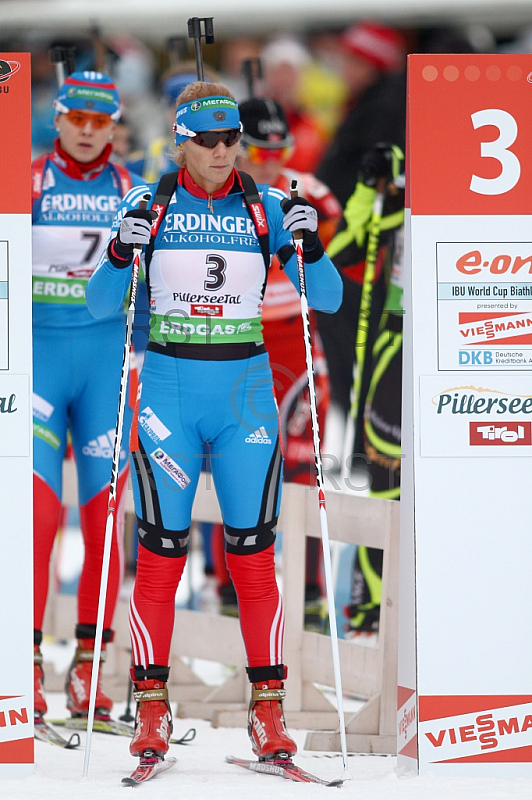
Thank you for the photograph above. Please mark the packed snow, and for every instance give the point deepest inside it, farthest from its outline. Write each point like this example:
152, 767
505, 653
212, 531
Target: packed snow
201, 772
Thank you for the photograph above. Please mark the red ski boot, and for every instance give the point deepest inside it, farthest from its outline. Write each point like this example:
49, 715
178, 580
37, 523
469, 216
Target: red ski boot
266, 725
78, 683
39, 700
153, 720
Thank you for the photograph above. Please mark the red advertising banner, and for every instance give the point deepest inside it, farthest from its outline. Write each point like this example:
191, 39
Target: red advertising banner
15, 133
470, 133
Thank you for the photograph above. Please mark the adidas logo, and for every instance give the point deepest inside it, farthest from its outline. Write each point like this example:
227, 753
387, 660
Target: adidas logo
259, 436
102, 447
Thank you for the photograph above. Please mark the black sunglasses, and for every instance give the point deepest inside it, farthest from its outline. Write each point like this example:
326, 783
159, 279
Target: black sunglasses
211, 138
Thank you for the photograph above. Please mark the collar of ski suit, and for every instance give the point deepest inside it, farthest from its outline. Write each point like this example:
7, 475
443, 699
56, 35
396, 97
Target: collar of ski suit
232, 184
74, 169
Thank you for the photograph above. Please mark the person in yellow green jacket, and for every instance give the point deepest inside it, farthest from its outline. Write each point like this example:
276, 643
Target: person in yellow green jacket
368, 251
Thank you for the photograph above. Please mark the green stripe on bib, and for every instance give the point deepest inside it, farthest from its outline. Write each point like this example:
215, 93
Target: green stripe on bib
204, 330
59, 290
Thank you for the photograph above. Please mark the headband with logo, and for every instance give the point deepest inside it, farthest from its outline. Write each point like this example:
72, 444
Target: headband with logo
205, 114
88, 91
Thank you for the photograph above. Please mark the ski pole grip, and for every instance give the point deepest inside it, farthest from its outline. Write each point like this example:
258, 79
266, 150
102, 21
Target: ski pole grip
296, 235
143, 205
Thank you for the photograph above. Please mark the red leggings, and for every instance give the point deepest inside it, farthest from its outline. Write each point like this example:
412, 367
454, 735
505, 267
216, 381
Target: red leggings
259, 602
93, 516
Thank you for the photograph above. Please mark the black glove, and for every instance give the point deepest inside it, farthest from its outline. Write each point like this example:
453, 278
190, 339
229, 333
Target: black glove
135, 230
300, 215
376, 163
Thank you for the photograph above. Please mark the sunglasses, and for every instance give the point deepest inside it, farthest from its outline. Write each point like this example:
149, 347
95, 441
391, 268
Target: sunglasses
80, 119
210, 139
261, 155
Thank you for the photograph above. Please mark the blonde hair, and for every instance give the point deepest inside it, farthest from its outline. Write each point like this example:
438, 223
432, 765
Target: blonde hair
199, 89
194, 91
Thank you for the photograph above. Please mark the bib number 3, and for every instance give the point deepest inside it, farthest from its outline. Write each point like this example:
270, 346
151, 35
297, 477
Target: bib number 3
215, 272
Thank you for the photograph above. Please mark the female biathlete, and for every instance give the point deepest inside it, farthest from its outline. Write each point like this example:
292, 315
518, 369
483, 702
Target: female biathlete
206, 379
77, 361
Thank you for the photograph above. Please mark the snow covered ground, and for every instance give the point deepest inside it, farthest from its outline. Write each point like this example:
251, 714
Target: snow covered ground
201, 773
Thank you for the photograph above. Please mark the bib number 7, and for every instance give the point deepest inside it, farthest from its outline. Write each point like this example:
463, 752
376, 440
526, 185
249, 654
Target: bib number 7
498, 149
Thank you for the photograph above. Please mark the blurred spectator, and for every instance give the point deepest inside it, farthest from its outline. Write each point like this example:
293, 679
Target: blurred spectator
234, 53
522, 43
373, 66
475, 39
323, 92
134, 74
122, 141
284, 60
380, 406
373, 60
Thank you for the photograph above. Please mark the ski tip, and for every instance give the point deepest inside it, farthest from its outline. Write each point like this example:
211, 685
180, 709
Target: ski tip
142, 774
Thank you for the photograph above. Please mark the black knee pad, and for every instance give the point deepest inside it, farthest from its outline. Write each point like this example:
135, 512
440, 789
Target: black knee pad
163, 542
246, 541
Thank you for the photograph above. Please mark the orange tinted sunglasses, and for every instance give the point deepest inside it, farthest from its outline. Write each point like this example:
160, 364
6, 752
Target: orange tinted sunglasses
81, 118
261, 155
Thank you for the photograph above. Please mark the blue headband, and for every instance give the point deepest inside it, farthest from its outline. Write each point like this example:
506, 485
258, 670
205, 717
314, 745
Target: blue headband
88, 91
205, 114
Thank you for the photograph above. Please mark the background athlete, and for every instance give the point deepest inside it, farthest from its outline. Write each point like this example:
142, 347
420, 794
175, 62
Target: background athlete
76, 360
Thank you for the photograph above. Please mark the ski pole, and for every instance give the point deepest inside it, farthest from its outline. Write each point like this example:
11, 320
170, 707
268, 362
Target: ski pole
298, 238
252, 71
194, 32
111, 507
63, 60
367, 293
363, 326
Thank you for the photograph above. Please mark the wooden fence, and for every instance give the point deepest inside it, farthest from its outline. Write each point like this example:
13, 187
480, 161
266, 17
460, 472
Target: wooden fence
368, 668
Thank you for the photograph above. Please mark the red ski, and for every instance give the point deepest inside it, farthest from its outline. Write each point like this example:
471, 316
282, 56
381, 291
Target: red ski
148, 768
285, 768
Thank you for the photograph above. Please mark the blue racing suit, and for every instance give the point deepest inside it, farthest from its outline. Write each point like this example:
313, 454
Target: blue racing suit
206, 379
77, 365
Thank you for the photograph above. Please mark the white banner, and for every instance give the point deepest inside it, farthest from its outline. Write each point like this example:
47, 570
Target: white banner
16, 469
465, 605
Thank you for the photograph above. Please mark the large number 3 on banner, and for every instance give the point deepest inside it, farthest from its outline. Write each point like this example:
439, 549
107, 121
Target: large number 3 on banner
498, 148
